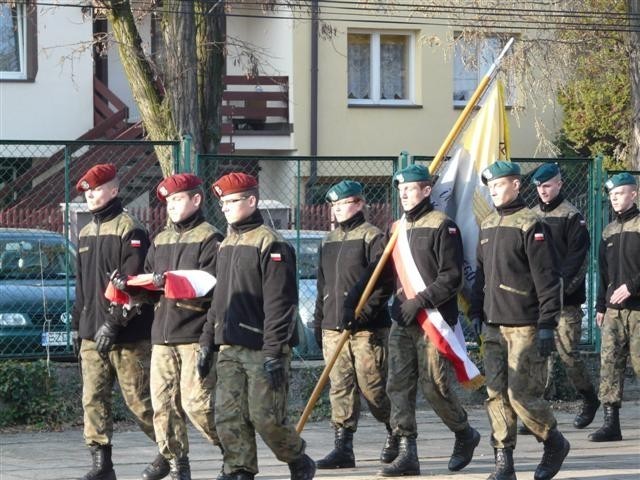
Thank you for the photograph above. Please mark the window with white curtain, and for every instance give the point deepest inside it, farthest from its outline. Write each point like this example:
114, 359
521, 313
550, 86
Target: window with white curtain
17, 41
381, 69
472, 59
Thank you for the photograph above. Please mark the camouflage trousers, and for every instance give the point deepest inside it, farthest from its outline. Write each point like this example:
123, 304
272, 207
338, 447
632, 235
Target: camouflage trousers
361, 367
129, 364
620, 340
568, 334
246, 403
414, 360
515, 374
177, 390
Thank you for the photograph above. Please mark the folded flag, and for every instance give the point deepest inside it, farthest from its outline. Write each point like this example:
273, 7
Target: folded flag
179, 284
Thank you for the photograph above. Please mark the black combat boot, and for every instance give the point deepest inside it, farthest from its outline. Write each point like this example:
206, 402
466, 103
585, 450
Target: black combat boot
610, 430
157, 469
466, 442
303, 468
342, 454
556, 449
239, 475
590, 404
179, 468
504, 465
390, 449
102, 466
406, 463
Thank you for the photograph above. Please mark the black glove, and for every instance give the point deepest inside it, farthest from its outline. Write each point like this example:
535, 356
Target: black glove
274, 368
119, 280
546, 342
317, 332
348, 320
76, 341
158, 280
105, 337
123, 313
408, 311
476, 323
205, 356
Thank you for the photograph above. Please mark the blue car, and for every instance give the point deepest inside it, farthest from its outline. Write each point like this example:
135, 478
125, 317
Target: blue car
37, 290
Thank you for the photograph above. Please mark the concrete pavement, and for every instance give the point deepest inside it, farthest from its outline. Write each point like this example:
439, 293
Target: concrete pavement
62, 455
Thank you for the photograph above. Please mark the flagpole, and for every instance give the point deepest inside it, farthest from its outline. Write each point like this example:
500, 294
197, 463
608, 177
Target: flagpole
433, 167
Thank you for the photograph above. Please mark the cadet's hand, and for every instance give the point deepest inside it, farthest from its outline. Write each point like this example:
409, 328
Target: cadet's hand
546, 342
105, 337
119, 280
205, 355
476, 322
158, 280
408, 311
348, 320
75, 342
599, 319
620, 294
317, 332
274, 368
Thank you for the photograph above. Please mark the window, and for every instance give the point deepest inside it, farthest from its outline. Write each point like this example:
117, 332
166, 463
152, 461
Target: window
380, 68
472, 59
18, 44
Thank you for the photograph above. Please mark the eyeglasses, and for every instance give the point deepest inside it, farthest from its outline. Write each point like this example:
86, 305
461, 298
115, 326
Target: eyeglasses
231, 201
344, 203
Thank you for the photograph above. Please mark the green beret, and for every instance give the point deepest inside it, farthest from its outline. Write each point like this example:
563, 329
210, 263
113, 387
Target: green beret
618, 180
344, 189
500, 169
412, 173
544, 173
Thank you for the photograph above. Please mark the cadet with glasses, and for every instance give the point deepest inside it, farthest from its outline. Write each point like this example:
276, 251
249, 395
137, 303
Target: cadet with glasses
361, 366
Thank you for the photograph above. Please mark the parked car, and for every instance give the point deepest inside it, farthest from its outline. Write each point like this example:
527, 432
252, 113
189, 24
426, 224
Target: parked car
307, 244
37, 290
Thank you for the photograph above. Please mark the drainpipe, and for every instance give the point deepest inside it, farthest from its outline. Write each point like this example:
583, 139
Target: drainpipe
313, 167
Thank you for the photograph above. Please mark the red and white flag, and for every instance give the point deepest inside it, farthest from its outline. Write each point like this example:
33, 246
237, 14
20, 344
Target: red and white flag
449, 342
179, 284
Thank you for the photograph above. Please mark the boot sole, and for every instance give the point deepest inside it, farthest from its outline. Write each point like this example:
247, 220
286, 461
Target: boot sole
320, 466
598, 440
403, 474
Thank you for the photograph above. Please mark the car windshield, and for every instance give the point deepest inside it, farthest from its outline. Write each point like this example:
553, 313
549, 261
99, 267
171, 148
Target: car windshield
34, 259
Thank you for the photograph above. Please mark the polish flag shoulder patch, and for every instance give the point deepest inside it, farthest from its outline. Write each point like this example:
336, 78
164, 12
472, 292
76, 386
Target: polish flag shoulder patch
538, 237
276, 257
136, 243
453, 231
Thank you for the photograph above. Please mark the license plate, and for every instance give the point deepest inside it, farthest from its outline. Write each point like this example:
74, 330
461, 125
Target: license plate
54, 339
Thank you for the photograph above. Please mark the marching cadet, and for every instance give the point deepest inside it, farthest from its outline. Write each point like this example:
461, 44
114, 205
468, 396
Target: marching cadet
361, 366
571, 240
253, 316
618, 301
112, 341
517, 294
182, 380
436, 250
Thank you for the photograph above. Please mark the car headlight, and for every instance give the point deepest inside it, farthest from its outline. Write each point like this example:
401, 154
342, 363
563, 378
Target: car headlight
65, 318
14, 320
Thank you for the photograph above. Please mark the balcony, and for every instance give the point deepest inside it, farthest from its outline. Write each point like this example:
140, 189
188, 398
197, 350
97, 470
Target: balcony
255, 107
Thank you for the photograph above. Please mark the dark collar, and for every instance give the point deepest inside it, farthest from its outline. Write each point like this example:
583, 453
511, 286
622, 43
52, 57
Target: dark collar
511, 207
247, 224
627, 214
190, 223
110, 211
424, 207
552, 205
353, 222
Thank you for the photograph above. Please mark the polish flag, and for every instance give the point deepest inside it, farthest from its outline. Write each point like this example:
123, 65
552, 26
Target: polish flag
179, 284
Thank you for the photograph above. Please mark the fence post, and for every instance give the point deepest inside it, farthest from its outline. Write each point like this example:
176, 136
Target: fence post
67, 240
186, 153
598, 218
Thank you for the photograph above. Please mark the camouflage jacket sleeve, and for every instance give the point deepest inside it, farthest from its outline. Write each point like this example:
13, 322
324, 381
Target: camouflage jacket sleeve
575, 264
476, 310
319, 308
603, 278
384, 286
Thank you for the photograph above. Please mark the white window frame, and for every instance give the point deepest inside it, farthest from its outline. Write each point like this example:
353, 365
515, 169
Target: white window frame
375, 69
510, 89
22, 47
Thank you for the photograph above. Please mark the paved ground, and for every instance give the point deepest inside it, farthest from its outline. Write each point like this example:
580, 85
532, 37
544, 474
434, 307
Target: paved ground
62, 456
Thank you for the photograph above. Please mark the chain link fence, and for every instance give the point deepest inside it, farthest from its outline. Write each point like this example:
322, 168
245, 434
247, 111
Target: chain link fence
37, 191
41, 214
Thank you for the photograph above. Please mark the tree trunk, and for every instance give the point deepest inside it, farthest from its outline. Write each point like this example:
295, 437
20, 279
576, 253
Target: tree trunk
634, 71
155, 116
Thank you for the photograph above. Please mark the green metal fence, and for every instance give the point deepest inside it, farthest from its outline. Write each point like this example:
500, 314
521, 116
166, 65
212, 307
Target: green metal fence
41, 214
37, 191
